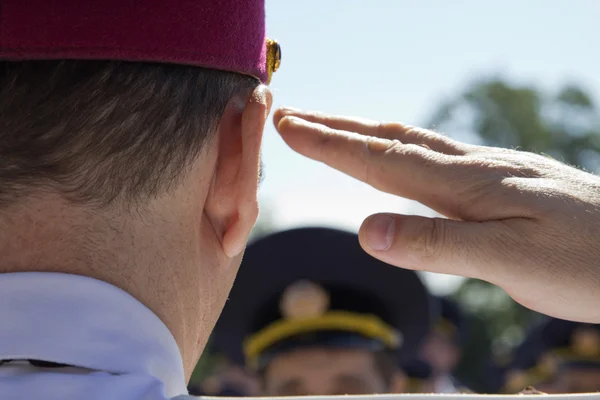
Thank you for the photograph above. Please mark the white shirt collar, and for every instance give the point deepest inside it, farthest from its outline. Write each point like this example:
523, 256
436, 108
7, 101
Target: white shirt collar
80, 321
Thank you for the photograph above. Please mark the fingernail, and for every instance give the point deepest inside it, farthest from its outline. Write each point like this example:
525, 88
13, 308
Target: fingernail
289, 121
379, 231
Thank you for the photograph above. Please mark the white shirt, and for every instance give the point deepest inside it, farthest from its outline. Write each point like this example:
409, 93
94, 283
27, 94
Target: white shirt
118, 348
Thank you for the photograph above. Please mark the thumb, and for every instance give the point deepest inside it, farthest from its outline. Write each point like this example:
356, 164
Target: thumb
470, 249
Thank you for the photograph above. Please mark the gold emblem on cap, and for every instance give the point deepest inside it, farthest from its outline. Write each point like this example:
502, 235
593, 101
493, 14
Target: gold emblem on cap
273, 57
303, 300
586, 342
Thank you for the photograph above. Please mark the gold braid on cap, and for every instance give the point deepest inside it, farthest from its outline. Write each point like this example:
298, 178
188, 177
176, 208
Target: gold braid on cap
369, 326
305, 308
273, 58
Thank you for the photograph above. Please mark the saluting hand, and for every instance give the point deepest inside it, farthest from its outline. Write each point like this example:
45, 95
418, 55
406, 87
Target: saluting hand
522, 221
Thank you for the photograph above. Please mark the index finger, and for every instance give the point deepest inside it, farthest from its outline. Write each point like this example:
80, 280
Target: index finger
406, 170
381, 129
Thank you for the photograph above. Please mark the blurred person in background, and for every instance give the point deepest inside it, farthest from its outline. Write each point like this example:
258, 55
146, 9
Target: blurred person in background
527, 365
443, 347
303, 316
574, 353
557, 357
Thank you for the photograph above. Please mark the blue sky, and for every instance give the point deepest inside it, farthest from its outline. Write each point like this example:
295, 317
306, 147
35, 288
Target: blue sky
395, 60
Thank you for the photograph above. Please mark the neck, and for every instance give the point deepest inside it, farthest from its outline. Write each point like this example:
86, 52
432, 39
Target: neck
140, 254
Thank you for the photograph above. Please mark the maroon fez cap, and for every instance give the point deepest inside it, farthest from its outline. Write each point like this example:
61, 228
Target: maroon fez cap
219, 34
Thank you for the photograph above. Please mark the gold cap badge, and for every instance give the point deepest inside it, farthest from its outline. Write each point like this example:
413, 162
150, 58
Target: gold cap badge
304, 299
273, 58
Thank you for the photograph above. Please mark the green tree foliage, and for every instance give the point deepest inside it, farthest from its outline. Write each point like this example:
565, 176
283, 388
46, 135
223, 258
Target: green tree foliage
565, 124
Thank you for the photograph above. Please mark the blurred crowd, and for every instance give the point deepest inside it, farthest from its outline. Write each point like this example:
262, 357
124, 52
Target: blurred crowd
303, 319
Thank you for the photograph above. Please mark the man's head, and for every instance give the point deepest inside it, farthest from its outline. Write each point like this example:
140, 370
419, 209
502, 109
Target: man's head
162, 159
143, 174
302, 314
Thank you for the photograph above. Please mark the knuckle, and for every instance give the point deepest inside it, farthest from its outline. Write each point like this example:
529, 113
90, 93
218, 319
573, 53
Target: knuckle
425, 238
415, 132
389, 129
392, 129
378, 147
406, 149
376, 171
380, 165
421, 136
418, 155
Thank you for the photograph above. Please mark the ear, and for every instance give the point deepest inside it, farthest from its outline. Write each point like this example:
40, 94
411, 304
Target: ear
232, 204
